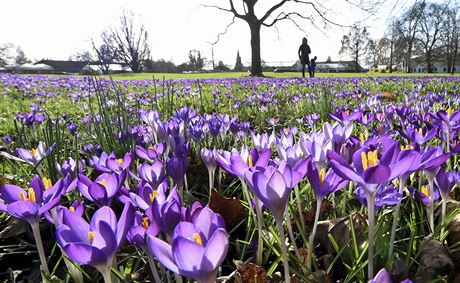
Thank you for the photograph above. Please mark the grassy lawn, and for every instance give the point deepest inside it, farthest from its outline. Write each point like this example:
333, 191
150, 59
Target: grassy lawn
175, 76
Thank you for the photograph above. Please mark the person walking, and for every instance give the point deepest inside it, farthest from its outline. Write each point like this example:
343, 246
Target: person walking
304, 51
313, 67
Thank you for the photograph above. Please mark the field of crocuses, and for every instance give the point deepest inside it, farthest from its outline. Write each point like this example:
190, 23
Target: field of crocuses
229, 180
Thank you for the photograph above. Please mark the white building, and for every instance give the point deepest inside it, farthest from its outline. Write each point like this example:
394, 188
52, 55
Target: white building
419, 65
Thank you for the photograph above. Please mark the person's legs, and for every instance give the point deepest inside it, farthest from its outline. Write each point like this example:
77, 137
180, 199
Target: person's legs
310, 71
303, 70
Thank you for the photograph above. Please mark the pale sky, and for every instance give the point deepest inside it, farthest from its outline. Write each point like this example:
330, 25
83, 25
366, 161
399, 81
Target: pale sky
57, 29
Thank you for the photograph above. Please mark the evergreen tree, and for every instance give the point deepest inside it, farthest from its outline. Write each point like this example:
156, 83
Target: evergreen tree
238, 65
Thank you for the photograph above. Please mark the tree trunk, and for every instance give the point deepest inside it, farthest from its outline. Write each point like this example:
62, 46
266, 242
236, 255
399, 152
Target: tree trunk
429, 68
409, 55
256, 61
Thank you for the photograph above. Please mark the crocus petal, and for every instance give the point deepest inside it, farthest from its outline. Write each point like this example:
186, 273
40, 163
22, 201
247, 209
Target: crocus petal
11, 193
405, 164
85, 254
77, 224
48, 205
125, 222
98, 194
25, 210
188, 256
377, 174
104, 239
163, 252
345, 172
105, 214
216, 248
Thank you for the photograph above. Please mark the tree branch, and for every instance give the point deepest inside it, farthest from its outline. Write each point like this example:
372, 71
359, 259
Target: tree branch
272, 9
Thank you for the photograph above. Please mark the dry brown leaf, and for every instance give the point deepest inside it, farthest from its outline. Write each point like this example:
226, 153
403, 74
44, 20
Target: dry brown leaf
231, 210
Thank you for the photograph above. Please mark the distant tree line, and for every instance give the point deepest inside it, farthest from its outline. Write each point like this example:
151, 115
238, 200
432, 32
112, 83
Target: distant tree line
426, 31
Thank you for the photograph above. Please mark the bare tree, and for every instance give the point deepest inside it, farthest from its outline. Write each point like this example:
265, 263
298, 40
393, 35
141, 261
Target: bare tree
380, 51
406, 29
283, 10
196, 62
21, 57
131, 42
429, 32
5, 55
83, 56
356, 44
106, 52
450, 37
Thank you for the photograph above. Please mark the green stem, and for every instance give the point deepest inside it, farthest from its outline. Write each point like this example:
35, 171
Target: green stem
39, 243
211, 182
106, 274
260, 242
443, 213
291, 235
370, 248
395, 222
299, 207
287, 277
312, 235
431, 206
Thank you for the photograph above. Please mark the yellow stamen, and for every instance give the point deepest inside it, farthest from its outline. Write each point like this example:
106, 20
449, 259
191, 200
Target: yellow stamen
153, 195
46, 183
425, 191
250, 161
22, 196
120, 161
420, 131
145, 222
322, 172
449, 112
197, 239
72, 209
91, 235
31, 194
34, 152
103, 182
361, 137
370, 159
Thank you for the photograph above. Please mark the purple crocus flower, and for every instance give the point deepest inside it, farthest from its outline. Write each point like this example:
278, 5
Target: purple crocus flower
420, 135
176, 167
337, 134
76, 207
271, 186
143, 225
345, 116
372, 167
34, 156
424, 194
29, 204
153, 174
197, 248
323, 183
381, 277
384, 195
103, 189
152, 152
94, 243
445, 181
146, 194
69, 167
237, 163
209, 158
263, 142
167, 212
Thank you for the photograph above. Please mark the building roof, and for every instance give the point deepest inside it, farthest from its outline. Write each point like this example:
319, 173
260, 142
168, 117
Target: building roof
64, 66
